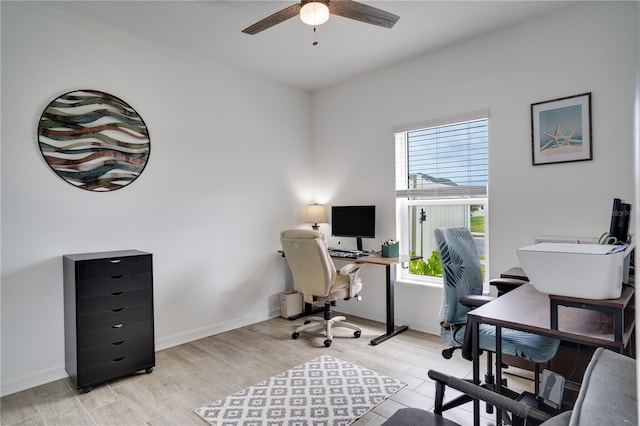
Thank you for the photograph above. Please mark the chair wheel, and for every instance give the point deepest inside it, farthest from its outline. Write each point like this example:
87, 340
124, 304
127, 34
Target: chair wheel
357, 333
327, 343
149, 370
295, 335
447, 353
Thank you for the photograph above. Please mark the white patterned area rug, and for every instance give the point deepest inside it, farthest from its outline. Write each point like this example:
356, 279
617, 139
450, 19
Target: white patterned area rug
323, 391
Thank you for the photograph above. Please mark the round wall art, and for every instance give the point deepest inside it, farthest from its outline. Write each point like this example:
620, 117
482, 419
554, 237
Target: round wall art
93, 140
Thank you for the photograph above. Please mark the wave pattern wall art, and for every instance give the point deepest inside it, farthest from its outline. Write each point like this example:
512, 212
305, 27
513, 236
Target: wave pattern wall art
93, 140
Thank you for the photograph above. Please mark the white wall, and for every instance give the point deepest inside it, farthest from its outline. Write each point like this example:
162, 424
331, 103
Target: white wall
212, 241
230, 154
586, 48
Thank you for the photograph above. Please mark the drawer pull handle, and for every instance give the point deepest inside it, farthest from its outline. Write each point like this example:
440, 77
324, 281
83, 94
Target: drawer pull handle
117, 310
117, 293
115, 260
117, 343
117, 325
118, 359
116, 277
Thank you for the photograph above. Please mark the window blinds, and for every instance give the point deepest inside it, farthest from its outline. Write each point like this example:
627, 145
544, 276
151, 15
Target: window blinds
447, 158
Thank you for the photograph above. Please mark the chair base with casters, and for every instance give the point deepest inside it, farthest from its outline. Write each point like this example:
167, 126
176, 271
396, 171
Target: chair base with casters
327, 323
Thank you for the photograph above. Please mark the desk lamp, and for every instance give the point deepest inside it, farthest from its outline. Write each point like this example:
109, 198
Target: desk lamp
316, 213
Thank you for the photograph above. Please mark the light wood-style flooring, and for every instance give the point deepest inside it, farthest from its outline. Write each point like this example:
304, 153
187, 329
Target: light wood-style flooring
193, 374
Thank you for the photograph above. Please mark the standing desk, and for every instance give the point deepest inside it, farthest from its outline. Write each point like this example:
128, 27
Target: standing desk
389, 263
527, 309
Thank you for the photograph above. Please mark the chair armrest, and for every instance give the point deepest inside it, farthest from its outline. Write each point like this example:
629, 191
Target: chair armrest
473, 301
350, 268
505, 285
502, 402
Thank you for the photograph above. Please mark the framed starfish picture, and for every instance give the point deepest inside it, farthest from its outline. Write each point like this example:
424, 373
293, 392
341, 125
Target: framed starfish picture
561, 130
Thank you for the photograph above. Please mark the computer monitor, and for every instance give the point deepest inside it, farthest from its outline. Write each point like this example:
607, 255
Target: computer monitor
353, 221
620, 216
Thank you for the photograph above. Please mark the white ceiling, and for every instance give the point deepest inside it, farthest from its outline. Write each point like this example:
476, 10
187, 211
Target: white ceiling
346, 48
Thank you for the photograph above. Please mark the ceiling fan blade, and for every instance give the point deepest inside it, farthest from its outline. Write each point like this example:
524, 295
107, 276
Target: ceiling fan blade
362, 12
274, 19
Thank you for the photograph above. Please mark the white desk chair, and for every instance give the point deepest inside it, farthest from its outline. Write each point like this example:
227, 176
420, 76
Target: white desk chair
315, 276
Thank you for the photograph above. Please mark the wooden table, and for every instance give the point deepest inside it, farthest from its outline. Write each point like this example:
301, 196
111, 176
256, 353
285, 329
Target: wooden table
527, 309
613, 330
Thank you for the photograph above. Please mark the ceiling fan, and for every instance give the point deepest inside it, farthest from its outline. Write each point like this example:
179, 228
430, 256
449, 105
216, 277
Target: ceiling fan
316, 12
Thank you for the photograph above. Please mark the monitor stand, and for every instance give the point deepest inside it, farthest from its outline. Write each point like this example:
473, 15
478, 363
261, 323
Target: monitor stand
359, 243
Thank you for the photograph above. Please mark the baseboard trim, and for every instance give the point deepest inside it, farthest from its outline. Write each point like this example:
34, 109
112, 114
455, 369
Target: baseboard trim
201, 333
47, 375
41, 377
32, 379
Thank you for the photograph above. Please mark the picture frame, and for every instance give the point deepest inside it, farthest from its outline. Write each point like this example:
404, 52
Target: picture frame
561, 130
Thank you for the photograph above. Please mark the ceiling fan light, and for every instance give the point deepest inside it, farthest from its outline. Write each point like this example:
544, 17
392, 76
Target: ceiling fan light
314, 13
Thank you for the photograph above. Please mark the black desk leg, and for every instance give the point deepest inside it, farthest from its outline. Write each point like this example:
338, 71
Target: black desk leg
618, 325
392, 330
475, 342
554, 314
498, 369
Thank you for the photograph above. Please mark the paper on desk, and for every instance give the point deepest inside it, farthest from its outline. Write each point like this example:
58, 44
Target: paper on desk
596, 249
619, 248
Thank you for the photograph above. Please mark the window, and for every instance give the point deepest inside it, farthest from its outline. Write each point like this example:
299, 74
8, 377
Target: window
441, 181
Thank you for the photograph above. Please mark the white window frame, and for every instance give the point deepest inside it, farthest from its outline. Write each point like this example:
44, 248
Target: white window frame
402, 227
471, 196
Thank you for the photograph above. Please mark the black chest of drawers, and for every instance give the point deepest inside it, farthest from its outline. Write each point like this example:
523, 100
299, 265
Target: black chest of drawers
108, 316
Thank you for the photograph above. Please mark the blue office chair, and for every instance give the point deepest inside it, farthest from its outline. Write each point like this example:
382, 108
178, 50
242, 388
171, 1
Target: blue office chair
463, 284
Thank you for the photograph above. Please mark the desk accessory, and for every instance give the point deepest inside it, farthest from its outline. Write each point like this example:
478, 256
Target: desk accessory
391, 248
620, 217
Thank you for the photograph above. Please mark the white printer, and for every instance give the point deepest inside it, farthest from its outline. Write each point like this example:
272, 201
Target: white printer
590, 271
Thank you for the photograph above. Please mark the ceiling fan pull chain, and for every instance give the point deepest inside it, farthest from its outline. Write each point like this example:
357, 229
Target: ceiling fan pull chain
315, 37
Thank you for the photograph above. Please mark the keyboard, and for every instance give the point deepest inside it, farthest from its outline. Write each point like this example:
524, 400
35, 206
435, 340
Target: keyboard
346, 253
